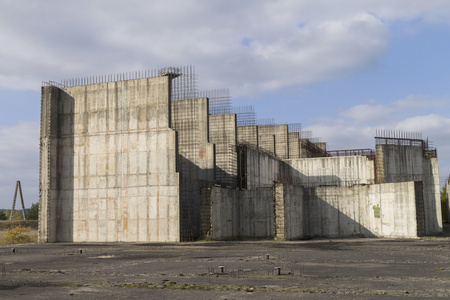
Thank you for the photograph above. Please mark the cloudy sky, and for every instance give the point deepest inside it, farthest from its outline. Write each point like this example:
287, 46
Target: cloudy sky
341, 68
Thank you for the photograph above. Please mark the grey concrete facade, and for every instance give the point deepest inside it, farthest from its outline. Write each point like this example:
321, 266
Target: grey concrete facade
122, 161
108, 163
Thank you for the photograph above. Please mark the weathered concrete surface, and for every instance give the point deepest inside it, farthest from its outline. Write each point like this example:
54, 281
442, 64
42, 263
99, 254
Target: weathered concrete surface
401, 163
406, 163
248, 135
432, 196
294, 145
447, 202
279, 135
108, 163
385, 210
263, 169
240, 213
120, 161
289, 212
195, 162
338, 171
315, 269
223, 133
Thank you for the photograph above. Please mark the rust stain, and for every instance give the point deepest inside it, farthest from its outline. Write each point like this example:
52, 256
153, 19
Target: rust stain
202, 153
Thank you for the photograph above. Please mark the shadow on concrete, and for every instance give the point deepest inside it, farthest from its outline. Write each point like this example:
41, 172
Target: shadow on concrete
64, 189
324, 220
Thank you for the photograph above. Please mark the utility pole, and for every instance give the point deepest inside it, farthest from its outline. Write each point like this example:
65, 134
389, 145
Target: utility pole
18, 187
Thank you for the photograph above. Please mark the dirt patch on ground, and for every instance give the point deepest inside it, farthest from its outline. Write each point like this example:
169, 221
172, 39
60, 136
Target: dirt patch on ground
317, 269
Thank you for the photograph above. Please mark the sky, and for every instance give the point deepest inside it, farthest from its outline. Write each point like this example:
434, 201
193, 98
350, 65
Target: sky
340, 68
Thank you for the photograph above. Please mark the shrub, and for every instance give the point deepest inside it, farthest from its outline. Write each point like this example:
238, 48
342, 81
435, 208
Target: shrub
17, 235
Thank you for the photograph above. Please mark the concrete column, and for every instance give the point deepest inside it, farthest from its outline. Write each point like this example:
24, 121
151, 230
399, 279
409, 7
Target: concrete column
48, 163
279, 211
447, 187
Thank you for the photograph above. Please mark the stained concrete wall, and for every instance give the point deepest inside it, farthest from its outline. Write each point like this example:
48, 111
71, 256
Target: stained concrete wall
223, 133
263, 169
339, 171
405, 163
401, 163
447, 202
238, 213
279, 135
289, 214
384, 210
195, 161
294, 145
248, 135
432, 196
108, 163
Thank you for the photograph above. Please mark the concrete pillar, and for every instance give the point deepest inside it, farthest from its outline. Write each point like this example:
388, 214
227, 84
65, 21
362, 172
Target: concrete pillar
279, 211
48, 176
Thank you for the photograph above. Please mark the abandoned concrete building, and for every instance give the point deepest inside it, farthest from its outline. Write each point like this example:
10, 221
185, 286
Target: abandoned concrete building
145, 157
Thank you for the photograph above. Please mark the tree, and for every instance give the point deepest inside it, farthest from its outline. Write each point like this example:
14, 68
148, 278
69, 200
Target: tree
33, 212
3, 216
16, 216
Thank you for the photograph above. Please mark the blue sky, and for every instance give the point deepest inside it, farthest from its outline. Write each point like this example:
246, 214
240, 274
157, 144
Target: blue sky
341, 68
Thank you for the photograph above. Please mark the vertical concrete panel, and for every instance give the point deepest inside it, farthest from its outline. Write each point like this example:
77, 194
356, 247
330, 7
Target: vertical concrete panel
432, 199
447, 188
104, 162
223, 133
248, 135
294, 213
239, 213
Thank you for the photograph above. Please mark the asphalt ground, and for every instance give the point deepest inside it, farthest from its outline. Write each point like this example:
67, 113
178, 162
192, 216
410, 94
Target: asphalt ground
358, 268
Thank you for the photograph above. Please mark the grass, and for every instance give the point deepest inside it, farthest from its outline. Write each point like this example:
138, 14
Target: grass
7, 224
18, 234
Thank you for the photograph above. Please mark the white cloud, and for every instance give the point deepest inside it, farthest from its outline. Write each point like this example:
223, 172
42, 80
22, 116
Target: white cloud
432, 123
421, 101
248, 46
288, 45
368, 113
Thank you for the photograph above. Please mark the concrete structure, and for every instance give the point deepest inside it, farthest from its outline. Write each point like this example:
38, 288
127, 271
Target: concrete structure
144, 157
447, 200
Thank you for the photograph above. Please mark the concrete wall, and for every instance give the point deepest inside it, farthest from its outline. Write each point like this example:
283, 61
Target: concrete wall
406, 163
236, 213
293, 212
263, 169
108, 163
339, 171
279, 134
294, 145
248, 135
432, 196
401, 163
447, 202
223, 133
195, 162
289, 214
385, 210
